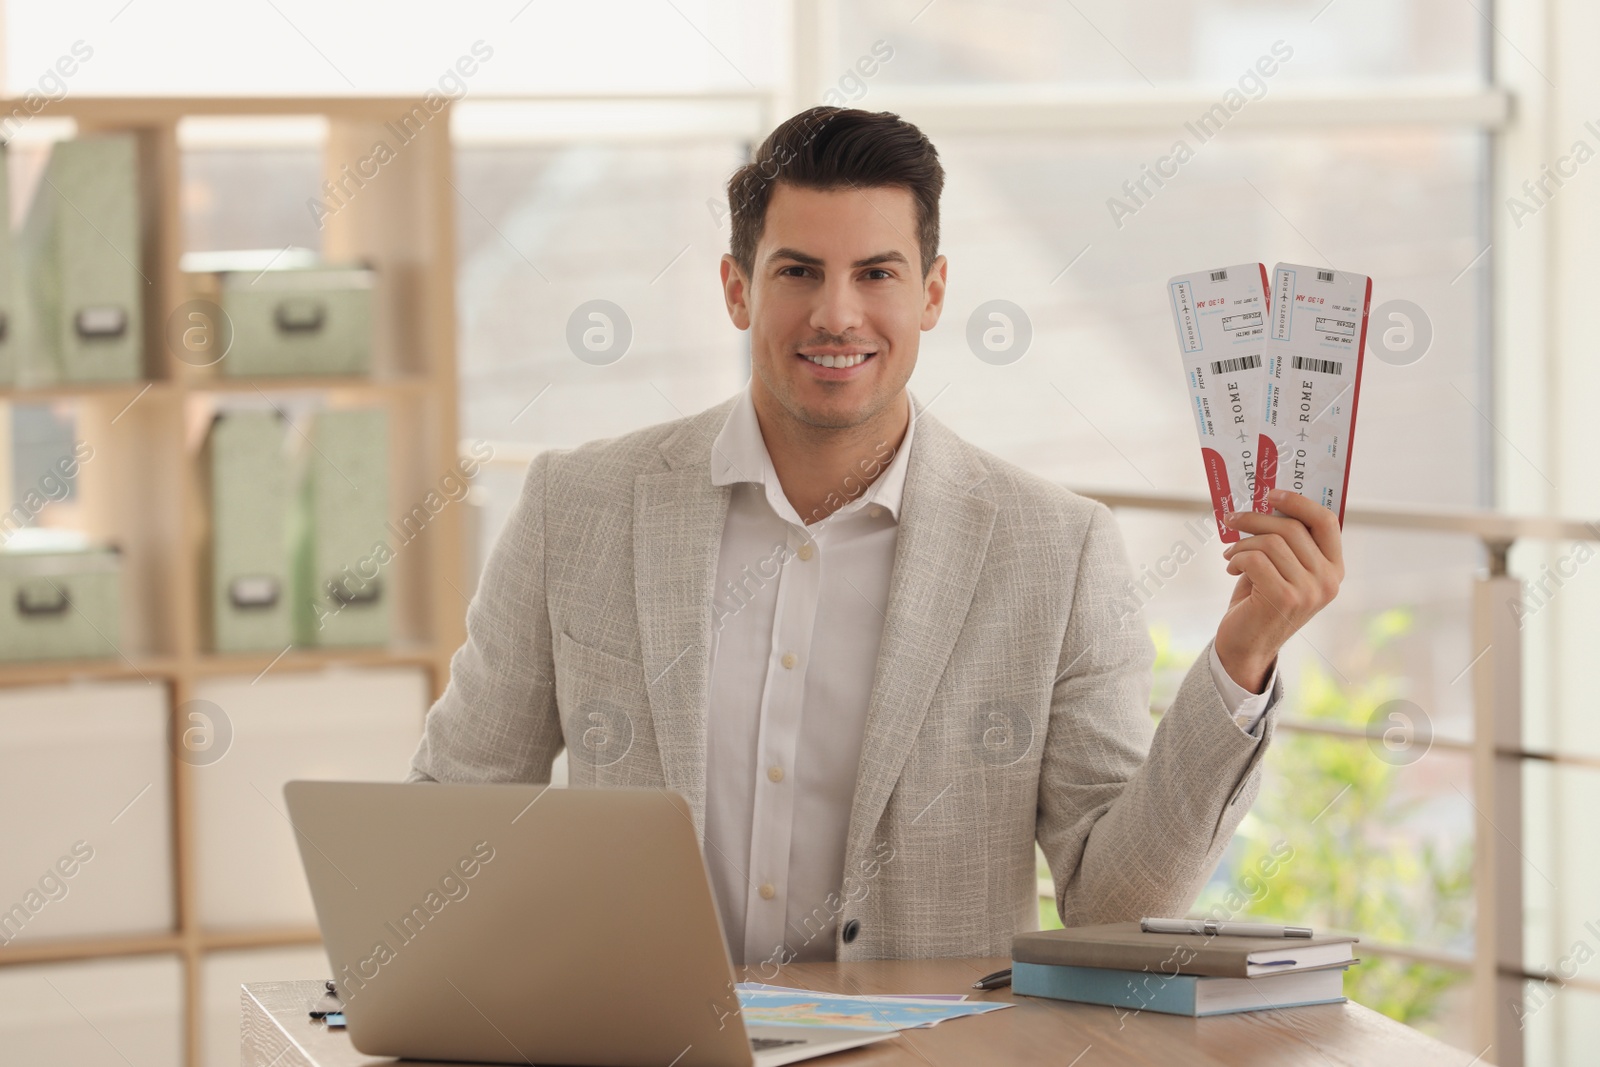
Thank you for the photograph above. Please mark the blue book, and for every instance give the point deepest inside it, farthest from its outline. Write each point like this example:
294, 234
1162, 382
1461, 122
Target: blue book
1178, 994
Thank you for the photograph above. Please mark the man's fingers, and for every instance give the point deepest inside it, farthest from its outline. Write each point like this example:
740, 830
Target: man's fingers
1265, 581
1292, 531
1283, 559
1312, 531
1323, 524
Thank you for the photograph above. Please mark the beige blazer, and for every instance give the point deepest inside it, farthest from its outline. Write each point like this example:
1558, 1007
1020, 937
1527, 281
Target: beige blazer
1010, 704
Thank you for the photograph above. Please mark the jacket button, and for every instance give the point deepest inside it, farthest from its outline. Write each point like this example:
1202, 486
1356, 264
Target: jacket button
852, 927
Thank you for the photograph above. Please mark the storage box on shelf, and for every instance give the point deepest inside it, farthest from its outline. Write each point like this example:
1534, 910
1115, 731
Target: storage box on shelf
342, 577
133, 1008
349, 724
81, 308
60, 597
251, 504
144, 487
300, 535
89, 763
285, 312
9, 324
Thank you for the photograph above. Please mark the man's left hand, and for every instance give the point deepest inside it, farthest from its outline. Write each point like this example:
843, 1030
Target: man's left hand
1289, 570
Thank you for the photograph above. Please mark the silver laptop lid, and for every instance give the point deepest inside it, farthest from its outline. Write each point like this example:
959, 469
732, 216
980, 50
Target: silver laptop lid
517, 924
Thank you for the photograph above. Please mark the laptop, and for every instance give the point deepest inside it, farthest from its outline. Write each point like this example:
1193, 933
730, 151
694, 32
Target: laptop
529, 924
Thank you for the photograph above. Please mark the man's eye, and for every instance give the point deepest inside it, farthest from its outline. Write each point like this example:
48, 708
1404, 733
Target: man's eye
785, 272
878, 274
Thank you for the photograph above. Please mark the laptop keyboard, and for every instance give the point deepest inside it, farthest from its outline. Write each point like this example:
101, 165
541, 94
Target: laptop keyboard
758, 1044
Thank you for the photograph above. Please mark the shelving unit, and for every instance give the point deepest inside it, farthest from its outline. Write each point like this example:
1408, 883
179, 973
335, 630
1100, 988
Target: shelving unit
144, 487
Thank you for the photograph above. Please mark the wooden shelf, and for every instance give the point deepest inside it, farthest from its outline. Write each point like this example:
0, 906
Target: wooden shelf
61, 672
144, 488
132, 111
126, 391
410, 385
88, 948
259, 937
212, 664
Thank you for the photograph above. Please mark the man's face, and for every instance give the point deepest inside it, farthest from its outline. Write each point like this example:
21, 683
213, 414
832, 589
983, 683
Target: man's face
836, 303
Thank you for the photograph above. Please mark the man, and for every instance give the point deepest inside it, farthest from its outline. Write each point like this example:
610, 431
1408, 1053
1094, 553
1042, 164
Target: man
877, 661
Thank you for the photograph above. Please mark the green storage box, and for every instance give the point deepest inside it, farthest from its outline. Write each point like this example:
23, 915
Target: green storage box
298, 320
251, 506
343, 556
78, 257
9, 324
58, 603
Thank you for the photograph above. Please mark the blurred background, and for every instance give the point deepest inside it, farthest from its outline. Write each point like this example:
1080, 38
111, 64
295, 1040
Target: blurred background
295, 294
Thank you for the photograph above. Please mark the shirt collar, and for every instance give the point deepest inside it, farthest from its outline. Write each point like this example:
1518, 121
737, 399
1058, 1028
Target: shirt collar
739, 455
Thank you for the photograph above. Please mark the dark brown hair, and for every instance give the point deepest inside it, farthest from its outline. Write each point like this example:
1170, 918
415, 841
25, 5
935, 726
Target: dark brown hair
835, 148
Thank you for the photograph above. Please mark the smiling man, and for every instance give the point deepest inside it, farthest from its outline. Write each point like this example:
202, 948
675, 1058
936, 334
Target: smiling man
878, 662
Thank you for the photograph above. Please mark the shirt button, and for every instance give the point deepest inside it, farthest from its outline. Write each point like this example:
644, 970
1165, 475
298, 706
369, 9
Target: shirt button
767, 892
874, 511
806, 552
788, 661
775, 773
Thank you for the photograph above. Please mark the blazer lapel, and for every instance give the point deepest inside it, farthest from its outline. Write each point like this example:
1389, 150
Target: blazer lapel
943, 537
677, 533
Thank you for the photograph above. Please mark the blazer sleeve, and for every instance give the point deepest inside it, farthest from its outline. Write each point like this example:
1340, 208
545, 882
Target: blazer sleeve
497, 720
1133, 823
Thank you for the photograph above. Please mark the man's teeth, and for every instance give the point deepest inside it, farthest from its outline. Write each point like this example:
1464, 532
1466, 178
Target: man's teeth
838, 361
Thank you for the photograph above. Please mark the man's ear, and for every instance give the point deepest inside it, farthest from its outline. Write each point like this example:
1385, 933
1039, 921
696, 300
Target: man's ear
736, 292
933, 292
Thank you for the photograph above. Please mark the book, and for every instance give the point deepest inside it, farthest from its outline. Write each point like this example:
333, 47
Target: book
1178, 994
1123, 946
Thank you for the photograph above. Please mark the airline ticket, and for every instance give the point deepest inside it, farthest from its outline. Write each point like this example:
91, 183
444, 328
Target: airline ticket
1221, 317
1312, 380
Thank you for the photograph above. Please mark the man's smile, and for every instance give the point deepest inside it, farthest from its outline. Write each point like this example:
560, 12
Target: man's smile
841, 360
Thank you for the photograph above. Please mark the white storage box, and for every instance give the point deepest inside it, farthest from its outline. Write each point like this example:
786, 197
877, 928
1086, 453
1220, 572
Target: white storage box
344, 724
85, 781
133, 1008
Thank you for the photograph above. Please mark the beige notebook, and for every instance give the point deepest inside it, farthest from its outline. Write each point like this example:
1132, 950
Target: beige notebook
1125, 947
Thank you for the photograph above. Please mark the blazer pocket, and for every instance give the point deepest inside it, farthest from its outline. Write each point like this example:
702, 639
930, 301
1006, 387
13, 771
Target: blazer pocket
604, 709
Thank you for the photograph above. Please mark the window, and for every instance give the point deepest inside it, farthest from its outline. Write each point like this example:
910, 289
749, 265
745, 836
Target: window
1053, 116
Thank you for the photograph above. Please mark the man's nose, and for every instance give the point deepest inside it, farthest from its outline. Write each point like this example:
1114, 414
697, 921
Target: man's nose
838, 310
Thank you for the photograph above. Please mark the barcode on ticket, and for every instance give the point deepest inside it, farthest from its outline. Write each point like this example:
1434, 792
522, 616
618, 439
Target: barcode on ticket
1229, 366
1321, 366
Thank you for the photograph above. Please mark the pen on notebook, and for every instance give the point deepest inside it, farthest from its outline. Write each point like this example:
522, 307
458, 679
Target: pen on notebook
994, 981
1212, 928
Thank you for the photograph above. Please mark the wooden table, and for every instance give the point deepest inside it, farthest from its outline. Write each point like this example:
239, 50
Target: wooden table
277, 1031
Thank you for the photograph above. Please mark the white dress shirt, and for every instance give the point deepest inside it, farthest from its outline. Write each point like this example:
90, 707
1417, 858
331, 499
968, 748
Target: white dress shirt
798, 618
